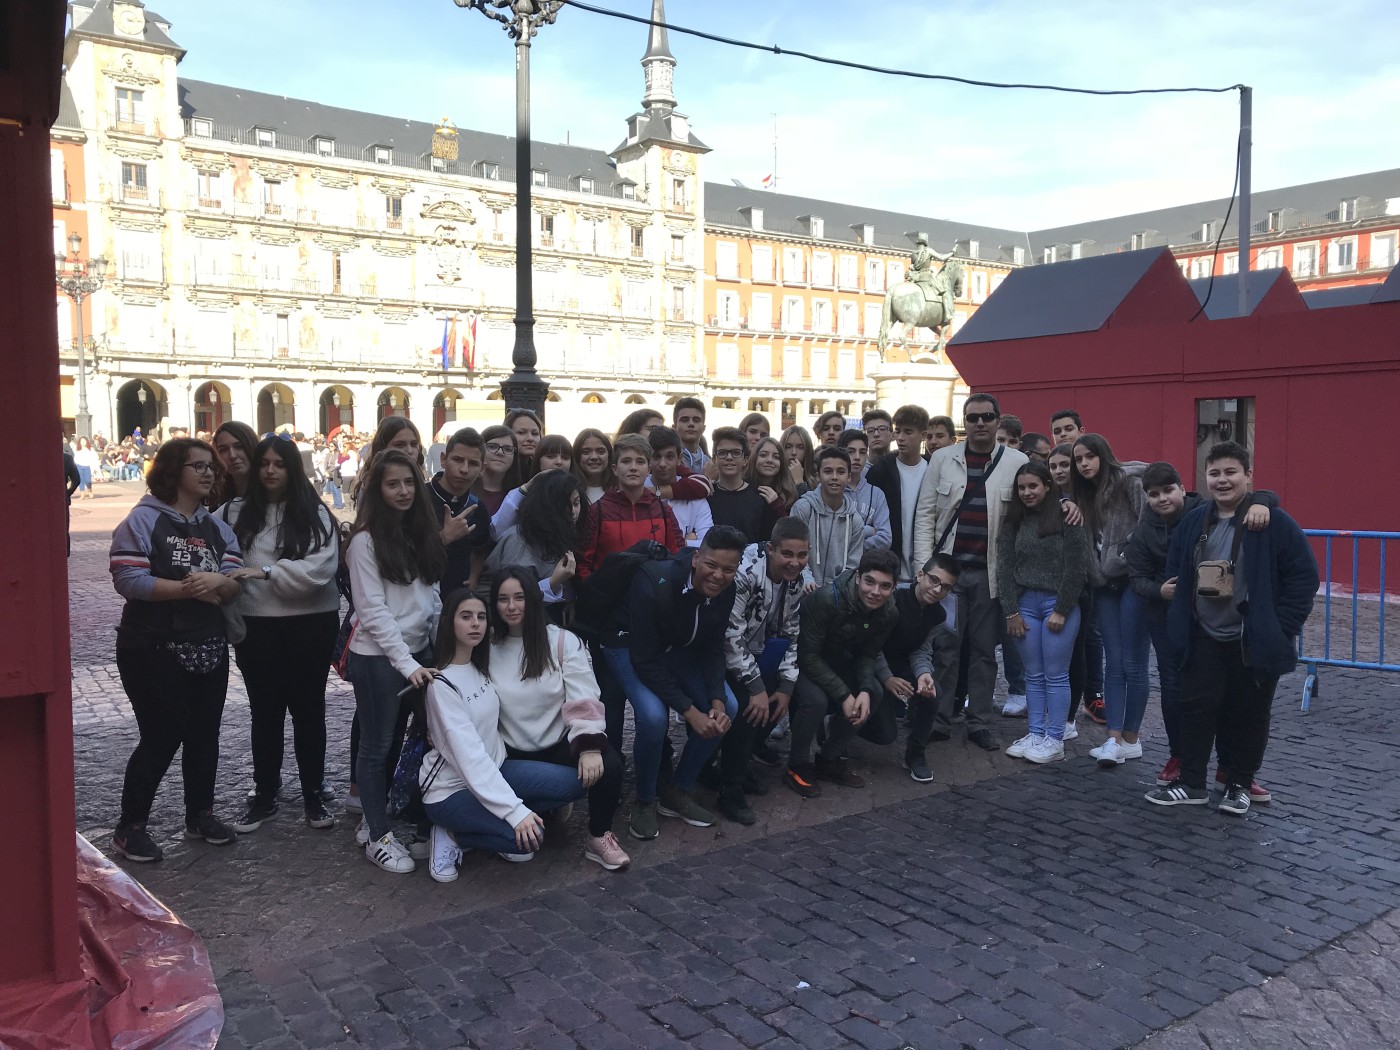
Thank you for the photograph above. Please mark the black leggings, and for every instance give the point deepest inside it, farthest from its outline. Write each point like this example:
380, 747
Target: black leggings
285, 661
175, 710
603, 796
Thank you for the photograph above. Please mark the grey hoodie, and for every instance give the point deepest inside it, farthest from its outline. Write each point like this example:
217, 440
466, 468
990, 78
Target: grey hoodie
838, 536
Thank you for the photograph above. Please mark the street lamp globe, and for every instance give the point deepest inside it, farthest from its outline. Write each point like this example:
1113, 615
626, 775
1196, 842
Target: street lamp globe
98, 267
75, 243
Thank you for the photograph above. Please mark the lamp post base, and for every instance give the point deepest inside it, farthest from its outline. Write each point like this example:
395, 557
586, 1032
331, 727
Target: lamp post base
82, 425
525, 390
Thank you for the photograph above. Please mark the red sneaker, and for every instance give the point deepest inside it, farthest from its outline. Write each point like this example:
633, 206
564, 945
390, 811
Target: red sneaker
1094, 708
1257, 791
1170, 773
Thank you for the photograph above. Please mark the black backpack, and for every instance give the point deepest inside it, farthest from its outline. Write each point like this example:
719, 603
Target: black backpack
606, 590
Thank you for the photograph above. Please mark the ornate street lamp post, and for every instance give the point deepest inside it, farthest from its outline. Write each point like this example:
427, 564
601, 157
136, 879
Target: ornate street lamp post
79, 278
522, 20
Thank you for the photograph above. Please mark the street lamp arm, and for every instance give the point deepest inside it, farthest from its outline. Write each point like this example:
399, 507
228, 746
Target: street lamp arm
519, 18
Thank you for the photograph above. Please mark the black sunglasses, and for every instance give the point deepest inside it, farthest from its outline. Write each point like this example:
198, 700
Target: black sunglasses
981, 417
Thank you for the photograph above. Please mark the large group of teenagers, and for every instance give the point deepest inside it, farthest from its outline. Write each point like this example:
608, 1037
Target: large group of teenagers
498, 617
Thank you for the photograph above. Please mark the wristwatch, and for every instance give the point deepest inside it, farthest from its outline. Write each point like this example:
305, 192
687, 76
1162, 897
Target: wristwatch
267, 572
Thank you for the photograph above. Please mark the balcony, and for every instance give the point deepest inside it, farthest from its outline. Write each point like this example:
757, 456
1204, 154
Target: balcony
393, 222
134, 194
210, 204
131, 127
272, 210
637, 252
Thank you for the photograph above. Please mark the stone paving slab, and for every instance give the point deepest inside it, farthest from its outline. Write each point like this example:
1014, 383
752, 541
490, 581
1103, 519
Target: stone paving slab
1005, 906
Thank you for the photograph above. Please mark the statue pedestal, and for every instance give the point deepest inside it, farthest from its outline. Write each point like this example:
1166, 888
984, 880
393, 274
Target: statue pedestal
936, 387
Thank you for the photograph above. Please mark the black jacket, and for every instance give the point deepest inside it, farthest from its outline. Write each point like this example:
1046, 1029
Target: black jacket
1280, 575
667, 615
884, 475
1147, 550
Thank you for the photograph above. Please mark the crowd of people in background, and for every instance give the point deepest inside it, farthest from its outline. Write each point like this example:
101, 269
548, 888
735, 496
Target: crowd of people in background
502, 601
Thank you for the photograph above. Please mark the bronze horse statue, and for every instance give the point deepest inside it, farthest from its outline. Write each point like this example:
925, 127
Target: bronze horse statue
906, 303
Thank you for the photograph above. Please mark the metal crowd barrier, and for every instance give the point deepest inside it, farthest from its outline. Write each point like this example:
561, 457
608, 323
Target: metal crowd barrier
1361, 579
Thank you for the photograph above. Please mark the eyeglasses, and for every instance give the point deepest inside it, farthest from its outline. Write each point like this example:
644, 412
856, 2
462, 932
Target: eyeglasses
501, 450
934, 581
981, 417
201, 467
877, 428
729, 453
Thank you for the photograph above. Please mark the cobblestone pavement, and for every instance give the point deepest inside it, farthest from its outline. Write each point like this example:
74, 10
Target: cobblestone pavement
1003, 906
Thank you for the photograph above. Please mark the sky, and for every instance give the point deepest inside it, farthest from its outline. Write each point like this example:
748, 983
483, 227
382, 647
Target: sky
1326, 81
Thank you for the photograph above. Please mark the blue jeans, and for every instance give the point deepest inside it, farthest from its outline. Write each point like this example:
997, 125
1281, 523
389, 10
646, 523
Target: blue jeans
84, 479
376, 684
650, 714
1122, 620
333, 488
1046, 655
1011, 665
1168, 675
543, 786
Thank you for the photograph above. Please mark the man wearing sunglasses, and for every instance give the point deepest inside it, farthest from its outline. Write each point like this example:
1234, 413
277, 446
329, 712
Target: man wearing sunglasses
963, 498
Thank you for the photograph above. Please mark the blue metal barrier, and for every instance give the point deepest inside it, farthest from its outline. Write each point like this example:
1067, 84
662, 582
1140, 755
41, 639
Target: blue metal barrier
1327, 658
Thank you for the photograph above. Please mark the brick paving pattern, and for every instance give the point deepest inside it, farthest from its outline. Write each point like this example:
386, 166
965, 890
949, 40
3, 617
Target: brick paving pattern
1004, 906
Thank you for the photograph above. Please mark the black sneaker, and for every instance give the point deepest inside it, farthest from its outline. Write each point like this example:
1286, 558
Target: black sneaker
253, 793
1178, 794
803, 780
317, 815
984, 739
1235, 801
260, 808
838, 771
134, 844
326, 792
1095, 708
210, 828
918, 768
735, 808
767, 755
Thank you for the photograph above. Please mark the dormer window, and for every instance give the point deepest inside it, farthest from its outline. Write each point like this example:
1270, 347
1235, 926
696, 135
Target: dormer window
1207, 231
1138, 242
488, 169
1346, 211
539, 178
203, 127
437, 164
383, 155
629, 191
265, 137
1275, 221
818, 228
324, 146
865, 232
585, 184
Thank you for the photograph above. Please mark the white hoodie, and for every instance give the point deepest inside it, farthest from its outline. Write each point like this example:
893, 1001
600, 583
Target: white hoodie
468, 751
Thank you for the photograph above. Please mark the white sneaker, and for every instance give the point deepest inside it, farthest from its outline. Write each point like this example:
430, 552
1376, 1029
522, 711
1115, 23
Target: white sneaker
1109, 755
1021, 748
353, 805
388, 854
1015, 706
1128, 750
1046, 750
418, 849
517, 858
780, 730
446, 855
1071, 732
362, 833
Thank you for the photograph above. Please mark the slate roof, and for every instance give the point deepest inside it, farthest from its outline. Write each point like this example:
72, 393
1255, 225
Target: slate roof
68, 116
1350, 295
781, 212
98, 22
298, 121
1225, 293
1075, 296
1309, 203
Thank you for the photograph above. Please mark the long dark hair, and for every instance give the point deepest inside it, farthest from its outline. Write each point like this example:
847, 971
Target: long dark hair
535, 657
1049, 519
587, 434
1099, 498
632, 423
545, 522
304, 527
445, 644
526, 466
407, 547
225, 488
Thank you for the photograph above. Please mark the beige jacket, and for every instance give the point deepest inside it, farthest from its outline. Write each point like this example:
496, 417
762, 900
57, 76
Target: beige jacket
942, 490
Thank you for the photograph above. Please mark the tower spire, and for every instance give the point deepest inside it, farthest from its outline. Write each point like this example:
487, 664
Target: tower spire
659, 64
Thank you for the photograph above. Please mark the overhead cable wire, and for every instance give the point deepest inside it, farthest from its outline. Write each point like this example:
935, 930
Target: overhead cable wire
1242, 265
774, 49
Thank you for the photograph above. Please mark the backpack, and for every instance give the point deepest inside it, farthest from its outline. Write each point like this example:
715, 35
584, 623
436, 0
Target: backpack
340, 653
606, 589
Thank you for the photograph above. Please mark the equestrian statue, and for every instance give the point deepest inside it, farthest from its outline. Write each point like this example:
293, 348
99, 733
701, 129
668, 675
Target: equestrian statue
924, 299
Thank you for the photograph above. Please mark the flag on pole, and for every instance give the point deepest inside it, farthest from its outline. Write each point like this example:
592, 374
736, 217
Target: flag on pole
446, 360
469, 345
451, 354
769, 180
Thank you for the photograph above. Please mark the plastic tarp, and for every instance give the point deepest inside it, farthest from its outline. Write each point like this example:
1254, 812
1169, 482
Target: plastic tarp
145, 984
